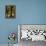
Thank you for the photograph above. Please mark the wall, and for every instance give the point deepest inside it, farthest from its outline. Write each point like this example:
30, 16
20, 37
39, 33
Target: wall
27, 12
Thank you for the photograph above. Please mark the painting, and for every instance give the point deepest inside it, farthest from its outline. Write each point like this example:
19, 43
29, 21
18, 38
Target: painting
32, 32
10, 11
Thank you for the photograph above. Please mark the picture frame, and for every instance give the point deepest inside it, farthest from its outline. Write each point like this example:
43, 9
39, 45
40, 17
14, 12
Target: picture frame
10, 11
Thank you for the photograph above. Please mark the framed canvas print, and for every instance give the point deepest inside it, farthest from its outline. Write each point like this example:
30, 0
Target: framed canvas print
10, 11
32, 32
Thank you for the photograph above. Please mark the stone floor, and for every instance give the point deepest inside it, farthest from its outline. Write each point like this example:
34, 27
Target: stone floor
32, 43
28, 43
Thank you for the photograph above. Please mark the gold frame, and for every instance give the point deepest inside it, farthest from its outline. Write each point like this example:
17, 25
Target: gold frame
10, 11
